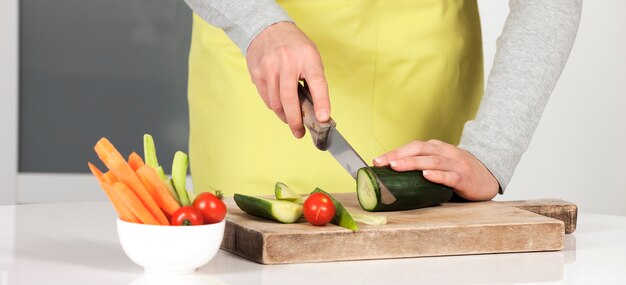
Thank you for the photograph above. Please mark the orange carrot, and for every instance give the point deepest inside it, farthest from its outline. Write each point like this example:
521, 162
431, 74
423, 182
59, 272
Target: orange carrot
109, 177
118, 166
134, 204
135, 161
122, 211
96, 172
157, 189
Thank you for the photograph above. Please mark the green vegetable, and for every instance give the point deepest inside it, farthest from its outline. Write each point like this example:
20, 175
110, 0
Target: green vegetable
281, 211
179, 176
149, 151
410, 188
342, 217
150, 157
283, 192
373, 220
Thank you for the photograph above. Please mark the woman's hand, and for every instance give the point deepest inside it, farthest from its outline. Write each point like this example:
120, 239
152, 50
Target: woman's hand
445, 164
278, 58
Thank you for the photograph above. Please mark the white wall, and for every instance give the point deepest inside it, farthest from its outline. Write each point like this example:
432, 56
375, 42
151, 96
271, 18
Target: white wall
8, 99
578, 152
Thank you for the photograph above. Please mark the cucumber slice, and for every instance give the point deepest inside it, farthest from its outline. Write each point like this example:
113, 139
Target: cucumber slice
342, 217
411, 189
170, 188
280, 211
179, 176
373, 220
149, 151
283, 192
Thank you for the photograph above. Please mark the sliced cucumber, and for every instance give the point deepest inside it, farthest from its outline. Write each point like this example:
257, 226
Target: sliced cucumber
373, 220
281, 211
283, 192
410, 188
179, 176
149, 151
342, 217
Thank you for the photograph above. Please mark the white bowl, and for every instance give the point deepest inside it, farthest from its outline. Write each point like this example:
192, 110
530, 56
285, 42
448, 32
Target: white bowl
170, 249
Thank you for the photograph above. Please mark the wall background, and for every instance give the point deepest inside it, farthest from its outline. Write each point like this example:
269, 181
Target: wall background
8, 99
578, 152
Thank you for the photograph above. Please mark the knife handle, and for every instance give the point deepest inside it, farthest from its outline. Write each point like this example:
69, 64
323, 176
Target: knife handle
318, 130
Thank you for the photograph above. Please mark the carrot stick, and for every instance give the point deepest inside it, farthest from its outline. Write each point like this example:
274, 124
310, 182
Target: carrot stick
122, 211
157, 189
109, 177
135, 161
96, 172
134, 203
118, 166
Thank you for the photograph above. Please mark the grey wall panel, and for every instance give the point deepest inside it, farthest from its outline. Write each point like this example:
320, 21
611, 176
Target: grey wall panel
90, 68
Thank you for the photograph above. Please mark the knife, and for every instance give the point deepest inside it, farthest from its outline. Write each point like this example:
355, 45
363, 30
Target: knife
326, 137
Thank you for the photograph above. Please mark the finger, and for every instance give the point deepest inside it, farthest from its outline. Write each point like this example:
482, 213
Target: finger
290, 101
261, 87
437, 142
273, 96
430, 162
314, 75
414, 148
448, 178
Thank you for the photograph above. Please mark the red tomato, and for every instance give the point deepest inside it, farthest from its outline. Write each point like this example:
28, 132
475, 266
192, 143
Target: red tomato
187, 216
318, 209
212, 208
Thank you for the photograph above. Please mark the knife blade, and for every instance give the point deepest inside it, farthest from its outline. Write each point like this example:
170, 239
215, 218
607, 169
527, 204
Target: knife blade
326, 137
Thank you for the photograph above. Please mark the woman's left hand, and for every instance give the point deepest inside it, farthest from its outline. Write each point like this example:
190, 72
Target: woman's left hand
445, 164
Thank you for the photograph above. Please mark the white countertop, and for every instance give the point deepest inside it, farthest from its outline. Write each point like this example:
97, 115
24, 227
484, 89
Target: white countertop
76, 243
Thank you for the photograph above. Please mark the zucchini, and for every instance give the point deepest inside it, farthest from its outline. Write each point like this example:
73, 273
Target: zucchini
342, 217
410, 188
280, 211
283, 192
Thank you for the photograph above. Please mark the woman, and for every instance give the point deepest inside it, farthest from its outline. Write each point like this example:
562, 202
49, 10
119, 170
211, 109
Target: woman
395, 71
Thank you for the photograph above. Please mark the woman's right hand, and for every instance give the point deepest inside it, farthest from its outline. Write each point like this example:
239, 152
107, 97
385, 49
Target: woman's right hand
277, 59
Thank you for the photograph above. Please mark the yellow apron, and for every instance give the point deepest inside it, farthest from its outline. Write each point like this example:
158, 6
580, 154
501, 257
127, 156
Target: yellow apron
397, 71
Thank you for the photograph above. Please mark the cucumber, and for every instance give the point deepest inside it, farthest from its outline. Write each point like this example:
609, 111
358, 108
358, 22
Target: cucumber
410, 188
342, 217
281, 211
150, 157
283, 192
149, 151
372, 220
179, 176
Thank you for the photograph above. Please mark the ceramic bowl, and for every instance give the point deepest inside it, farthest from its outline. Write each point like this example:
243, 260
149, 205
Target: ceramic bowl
170, 249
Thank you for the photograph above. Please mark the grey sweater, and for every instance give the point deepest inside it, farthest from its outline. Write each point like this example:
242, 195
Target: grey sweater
531, 53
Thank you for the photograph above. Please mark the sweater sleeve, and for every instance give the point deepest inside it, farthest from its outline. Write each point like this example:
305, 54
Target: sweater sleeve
531, 53
242, 20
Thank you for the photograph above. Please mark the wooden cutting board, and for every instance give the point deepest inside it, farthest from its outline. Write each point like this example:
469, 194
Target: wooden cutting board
448, 229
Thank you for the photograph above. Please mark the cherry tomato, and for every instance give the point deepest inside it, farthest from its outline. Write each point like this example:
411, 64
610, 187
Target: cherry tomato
212, 208
187, 216
318, 209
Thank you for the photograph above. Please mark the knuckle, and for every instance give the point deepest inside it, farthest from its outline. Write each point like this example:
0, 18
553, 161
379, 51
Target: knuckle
436, 162
414, 146
310, 50
455, 179
294, 125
